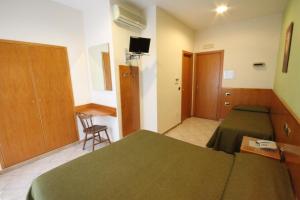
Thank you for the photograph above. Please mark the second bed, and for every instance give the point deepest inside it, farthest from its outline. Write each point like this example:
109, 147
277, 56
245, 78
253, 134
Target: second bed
252, 121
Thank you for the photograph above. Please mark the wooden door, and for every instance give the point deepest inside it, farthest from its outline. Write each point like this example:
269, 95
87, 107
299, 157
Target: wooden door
106, 71
130, 99
53, 87
187, 81
208, 79
21, 135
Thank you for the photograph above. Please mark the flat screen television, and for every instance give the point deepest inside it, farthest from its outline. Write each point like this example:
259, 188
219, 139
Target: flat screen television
139, 45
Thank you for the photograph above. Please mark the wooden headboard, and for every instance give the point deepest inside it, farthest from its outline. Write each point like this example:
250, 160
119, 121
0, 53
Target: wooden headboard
287, 130
231, 97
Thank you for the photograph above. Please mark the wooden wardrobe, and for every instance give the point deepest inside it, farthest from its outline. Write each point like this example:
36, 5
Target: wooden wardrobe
36, 101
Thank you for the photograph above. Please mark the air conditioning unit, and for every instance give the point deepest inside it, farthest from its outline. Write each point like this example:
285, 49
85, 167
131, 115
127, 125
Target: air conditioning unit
128, 18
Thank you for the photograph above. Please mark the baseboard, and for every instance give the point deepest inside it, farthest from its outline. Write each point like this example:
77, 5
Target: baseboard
171, 129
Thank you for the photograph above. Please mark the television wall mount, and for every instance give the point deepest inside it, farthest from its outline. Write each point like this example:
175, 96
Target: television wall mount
132, 56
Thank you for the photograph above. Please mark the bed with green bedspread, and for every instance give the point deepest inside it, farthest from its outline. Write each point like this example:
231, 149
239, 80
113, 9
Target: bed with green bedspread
146, 166
257, 177
252, 121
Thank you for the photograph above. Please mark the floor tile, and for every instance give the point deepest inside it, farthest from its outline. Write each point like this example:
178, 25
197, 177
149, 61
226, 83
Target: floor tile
14, 184
196, 131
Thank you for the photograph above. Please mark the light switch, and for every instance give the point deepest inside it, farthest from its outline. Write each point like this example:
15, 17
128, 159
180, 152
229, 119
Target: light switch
229, 74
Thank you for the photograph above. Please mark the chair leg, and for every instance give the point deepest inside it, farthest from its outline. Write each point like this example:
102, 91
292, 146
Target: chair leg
99, 137
85, 139
94, 135
107, 136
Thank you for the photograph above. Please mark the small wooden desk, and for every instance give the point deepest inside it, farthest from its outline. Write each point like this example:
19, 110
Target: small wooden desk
96, 110
246, 148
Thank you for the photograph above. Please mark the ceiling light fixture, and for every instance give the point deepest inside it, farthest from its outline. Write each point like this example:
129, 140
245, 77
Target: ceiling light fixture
221, 9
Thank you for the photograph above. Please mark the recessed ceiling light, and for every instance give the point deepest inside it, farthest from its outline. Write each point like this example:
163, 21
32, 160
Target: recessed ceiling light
221, 9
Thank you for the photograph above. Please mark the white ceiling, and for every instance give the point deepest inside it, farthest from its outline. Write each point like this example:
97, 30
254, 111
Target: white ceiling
199, 14
76, 4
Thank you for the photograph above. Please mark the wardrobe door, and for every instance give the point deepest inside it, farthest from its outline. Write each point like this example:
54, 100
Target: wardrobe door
21, 135
52, 83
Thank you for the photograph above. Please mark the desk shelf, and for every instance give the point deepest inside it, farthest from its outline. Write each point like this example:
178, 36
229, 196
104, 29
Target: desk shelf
96, 110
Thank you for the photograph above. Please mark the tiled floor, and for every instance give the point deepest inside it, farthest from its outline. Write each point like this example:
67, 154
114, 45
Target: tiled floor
195, 131
15, 183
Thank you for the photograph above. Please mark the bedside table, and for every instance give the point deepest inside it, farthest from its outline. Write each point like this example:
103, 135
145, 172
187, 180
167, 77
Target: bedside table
246, 148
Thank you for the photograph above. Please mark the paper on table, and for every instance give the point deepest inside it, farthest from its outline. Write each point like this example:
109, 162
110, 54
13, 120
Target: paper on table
263, 144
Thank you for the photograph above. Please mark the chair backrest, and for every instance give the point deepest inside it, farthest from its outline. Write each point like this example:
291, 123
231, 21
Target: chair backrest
86, 120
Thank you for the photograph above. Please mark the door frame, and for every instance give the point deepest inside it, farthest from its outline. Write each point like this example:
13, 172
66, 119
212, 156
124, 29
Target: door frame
190, 54
219, 106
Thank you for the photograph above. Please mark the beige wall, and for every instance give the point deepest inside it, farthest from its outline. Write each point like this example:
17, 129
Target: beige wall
245, 43
172, 38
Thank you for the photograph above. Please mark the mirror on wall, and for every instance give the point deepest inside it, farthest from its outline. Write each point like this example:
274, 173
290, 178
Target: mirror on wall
100, 69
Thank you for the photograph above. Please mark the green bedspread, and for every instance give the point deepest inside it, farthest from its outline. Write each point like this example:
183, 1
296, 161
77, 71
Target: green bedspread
228, 136
259, 178
149, 166
143, 166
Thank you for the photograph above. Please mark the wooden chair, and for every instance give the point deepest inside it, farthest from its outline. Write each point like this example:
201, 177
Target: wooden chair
90, 129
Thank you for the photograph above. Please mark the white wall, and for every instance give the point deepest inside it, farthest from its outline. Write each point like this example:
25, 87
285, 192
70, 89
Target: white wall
48, 22
245, 43
149, 75
172, 38
98, 30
